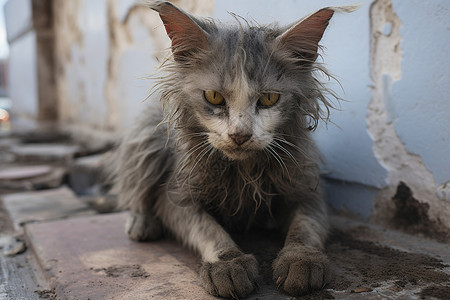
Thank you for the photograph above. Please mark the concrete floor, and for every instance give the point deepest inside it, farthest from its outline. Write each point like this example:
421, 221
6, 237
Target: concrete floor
77, 253
90, 257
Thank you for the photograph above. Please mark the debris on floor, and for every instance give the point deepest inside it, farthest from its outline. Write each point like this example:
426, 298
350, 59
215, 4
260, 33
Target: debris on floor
44, 205
411, 216
11, 245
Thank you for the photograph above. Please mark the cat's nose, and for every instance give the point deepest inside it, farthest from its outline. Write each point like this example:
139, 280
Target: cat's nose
240, 139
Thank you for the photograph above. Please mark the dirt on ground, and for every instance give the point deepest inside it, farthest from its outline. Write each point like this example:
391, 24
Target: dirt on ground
47, 294
360, 266
134, 270
436, 291
411, 216
360, 263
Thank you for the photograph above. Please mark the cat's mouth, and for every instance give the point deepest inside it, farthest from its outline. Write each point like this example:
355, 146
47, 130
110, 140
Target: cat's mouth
233, 151
243, 152
238, 153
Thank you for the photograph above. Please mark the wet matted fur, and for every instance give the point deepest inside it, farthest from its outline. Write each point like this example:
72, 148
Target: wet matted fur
201, 168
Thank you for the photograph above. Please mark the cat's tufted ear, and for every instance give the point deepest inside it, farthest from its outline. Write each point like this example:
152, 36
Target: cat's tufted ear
303, 37
186, 35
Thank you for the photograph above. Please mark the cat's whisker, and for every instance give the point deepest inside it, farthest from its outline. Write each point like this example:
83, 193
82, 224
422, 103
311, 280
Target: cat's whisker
271, 155
194, 135
197, 159
195, 148
294, 160
201, 155
211, 153
278, 159
296, 137
185, 165
187, 157
302, 151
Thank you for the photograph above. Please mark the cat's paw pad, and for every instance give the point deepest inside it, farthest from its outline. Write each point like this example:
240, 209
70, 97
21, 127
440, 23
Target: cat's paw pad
143, 227
234, 278
299, 269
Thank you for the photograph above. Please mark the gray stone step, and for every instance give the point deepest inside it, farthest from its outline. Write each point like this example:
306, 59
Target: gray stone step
91, 257
45, 205
44, 152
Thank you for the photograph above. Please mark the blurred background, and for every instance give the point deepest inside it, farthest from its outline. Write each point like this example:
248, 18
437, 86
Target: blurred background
80, 67
5, 103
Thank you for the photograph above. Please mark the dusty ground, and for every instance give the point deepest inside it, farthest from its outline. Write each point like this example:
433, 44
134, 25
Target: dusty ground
359, 267
365, 264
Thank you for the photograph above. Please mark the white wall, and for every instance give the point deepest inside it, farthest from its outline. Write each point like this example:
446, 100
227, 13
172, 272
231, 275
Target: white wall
22, 60
421, 110
22, 76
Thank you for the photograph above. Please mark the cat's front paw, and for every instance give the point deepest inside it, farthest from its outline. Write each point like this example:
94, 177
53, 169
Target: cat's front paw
234, 276
143, 227
299, 269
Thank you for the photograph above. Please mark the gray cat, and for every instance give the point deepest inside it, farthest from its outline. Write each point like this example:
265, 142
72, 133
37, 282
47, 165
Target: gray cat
231, 150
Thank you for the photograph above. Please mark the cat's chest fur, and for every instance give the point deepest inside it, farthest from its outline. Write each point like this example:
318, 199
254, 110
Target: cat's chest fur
239, 194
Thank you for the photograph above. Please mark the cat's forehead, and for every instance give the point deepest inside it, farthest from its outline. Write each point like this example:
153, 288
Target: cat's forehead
239, 57
238, 40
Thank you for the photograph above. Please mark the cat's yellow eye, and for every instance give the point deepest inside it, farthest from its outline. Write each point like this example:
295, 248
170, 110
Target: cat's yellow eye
214, 97
268, 99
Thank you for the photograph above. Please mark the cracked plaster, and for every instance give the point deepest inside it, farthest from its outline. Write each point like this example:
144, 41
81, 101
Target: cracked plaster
106, 50
383, 113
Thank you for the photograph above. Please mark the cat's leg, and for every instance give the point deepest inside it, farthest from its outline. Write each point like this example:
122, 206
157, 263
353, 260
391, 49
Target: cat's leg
144, 161
143, 226
301, 266
140, 190
226, 271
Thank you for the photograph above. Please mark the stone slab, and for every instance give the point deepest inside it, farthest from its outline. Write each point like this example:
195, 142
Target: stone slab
88, 163
24, 172
8, 142
6, 157
392, 239
84, 175
44, 152
43, 206
92, 258
21, 178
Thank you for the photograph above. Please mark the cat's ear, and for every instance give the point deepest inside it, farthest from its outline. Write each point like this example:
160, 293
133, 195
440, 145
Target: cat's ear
186, 35
303, 37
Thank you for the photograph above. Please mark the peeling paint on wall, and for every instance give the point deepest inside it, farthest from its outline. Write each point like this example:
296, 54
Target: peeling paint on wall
135, 47
67, 35
402, 166
105, 51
